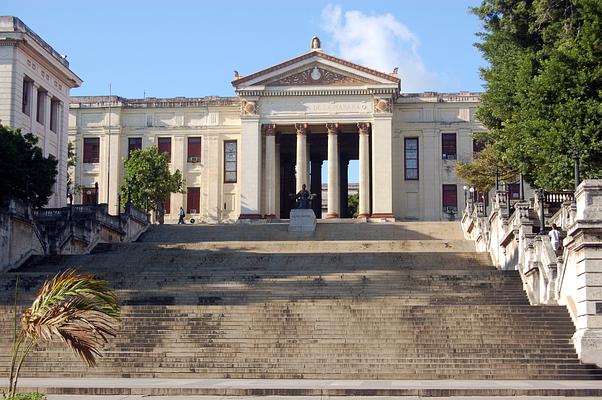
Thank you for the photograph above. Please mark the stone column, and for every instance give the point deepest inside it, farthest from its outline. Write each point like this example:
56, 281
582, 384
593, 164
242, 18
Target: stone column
302, 172
333, 171
270, 170
580, 288
364, 189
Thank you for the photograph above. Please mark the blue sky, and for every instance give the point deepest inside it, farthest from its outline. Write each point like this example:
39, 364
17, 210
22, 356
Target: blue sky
191, 48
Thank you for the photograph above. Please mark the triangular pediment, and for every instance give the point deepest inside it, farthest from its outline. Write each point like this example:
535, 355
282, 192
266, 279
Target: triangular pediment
316, 69
316, 75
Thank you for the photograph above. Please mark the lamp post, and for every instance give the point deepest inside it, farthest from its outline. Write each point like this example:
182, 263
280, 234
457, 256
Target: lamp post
471, 190
119, 194
576, 162
70, 197
542, 224
96, 193
497, 178
465, 189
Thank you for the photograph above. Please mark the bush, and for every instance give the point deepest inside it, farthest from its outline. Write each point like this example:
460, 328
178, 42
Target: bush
26, 396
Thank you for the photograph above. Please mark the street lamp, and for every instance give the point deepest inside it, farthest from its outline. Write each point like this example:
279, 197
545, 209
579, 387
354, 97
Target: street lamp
542, 224
465, 189
471, 190
119, 203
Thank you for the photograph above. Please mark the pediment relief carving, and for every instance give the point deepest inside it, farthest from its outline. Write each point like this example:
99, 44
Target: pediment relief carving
316, 76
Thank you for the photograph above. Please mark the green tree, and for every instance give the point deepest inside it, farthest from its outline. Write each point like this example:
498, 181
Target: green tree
353, 204
543, 86
26, 174
78, 310
148, 180
481, 172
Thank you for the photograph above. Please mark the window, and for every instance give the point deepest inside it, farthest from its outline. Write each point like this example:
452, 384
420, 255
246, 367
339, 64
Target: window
26, 100
230, 164
477, 146
450, 198
193, 200
41, 109
54, 115
514, 191
164, 146
194, 149
448, 146
411, 159
134, 143
91, 150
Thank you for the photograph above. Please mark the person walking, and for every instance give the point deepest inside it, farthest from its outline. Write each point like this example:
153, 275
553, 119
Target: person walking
182, 214
554, 235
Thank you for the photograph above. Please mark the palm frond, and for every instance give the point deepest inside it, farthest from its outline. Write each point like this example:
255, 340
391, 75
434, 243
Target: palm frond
78, 309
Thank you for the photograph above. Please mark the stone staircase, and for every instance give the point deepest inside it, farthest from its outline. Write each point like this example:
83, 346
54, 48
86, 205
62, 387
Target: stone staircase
352, 301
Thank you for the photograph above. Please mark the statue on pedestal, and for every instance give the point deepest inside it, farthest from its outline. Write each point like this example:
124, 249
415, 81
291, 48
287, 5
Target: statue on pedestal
303, 198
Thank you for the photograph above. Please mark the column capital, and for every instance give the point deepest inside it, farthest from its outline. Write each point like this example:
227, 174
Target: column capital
301, 128
270, 129
364, 127
333, 129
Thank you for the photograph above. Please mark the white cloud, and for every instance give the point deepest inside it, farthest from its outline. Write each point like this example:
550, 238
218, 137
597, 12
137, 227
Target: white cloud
380, 42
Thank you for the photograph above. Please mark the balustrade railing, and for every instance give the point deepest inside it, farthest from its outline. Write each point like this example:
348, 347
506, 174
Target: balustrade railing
555, 199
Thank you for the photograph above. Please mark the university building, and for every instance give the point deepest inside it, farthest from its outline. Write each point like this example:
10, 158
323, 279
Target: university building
35, 81
243, 156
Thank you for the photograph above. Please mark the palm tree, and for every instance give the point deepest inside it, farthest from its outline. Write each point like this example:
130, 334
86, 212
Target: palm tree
78, 309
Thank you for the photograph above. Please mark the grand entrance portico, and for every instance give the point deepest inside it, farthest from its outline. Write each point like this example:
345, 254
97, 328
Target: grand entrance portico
311, 109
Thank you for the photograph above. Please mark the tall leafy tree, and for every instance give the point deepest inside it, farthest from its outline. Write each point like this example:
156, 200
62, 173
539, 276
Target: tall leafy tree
26, 173
149, 181
543, 86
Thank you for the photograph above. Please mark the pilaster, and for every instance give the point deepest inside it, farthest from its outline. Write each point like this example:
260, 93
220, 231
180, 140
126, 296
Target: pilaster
382, 166
250, 171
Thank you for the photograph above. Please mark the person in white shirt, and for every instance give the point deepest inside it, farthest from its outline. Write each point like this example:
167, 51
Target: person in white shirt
554, 235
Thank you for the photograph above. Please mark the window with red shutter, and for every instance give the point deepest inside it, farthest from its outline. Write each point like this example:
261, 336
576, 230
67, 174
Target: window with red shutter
450, 197
91, 150
167, 205
194, 149
164, 146
193, 200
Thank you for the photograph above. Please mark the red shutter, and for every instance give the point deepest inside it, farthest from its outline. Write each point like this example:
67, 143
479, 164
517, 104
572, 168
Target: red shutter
193, 202
91, 150
450, 196
194, 149
167, 205
164, 146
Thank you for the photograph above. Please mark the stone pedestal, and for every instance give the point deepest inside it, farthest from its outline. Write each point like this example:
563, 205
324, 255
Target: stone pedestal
302, 220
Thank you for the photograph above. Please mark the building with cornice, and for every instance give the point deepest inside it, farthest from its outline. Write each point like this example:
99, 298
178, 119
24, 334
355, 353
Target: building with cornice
243, 156
35, 81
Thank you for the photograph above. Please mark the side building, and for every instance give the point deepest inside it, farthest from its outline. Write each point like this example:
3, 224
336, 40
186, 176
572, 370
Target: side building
35, 81
242, 157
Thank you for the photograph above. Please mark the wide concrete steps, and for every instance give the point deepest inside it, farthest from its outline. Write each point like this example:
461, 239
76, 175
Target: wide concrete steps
352, 301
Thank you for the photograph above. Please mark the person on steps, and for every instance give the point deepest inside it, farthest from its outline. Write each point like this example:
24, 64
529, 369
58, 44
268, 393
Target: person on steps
554, 235
182, 214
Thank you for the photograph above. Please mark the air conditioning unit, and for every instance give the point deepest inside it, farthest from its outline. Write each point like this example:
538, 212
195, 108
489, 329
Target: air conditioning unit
193, 159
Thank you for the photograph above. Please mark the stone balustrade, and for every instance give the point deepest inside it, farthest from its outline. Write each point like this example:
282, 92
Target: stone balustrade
68, 230
570, 277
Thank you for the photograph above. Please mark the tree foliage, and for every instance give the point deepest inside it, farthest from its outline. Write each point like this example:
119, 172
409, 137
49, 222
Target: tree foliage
26, 174
148, 179
543, 86
481, 172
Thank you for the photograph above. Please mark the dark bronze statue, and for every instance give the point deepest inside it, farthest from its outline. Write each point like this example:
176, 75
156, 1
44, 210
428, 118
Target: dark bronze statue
303, 198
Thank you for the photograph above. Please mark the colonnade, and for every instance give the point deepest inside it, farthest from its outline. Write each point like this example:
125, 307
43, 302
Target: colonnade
303, 167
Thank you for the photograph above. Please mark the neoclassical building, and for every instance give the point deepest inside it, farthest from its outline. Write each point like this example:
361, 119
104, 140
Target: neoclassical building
35, 81
243, 156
